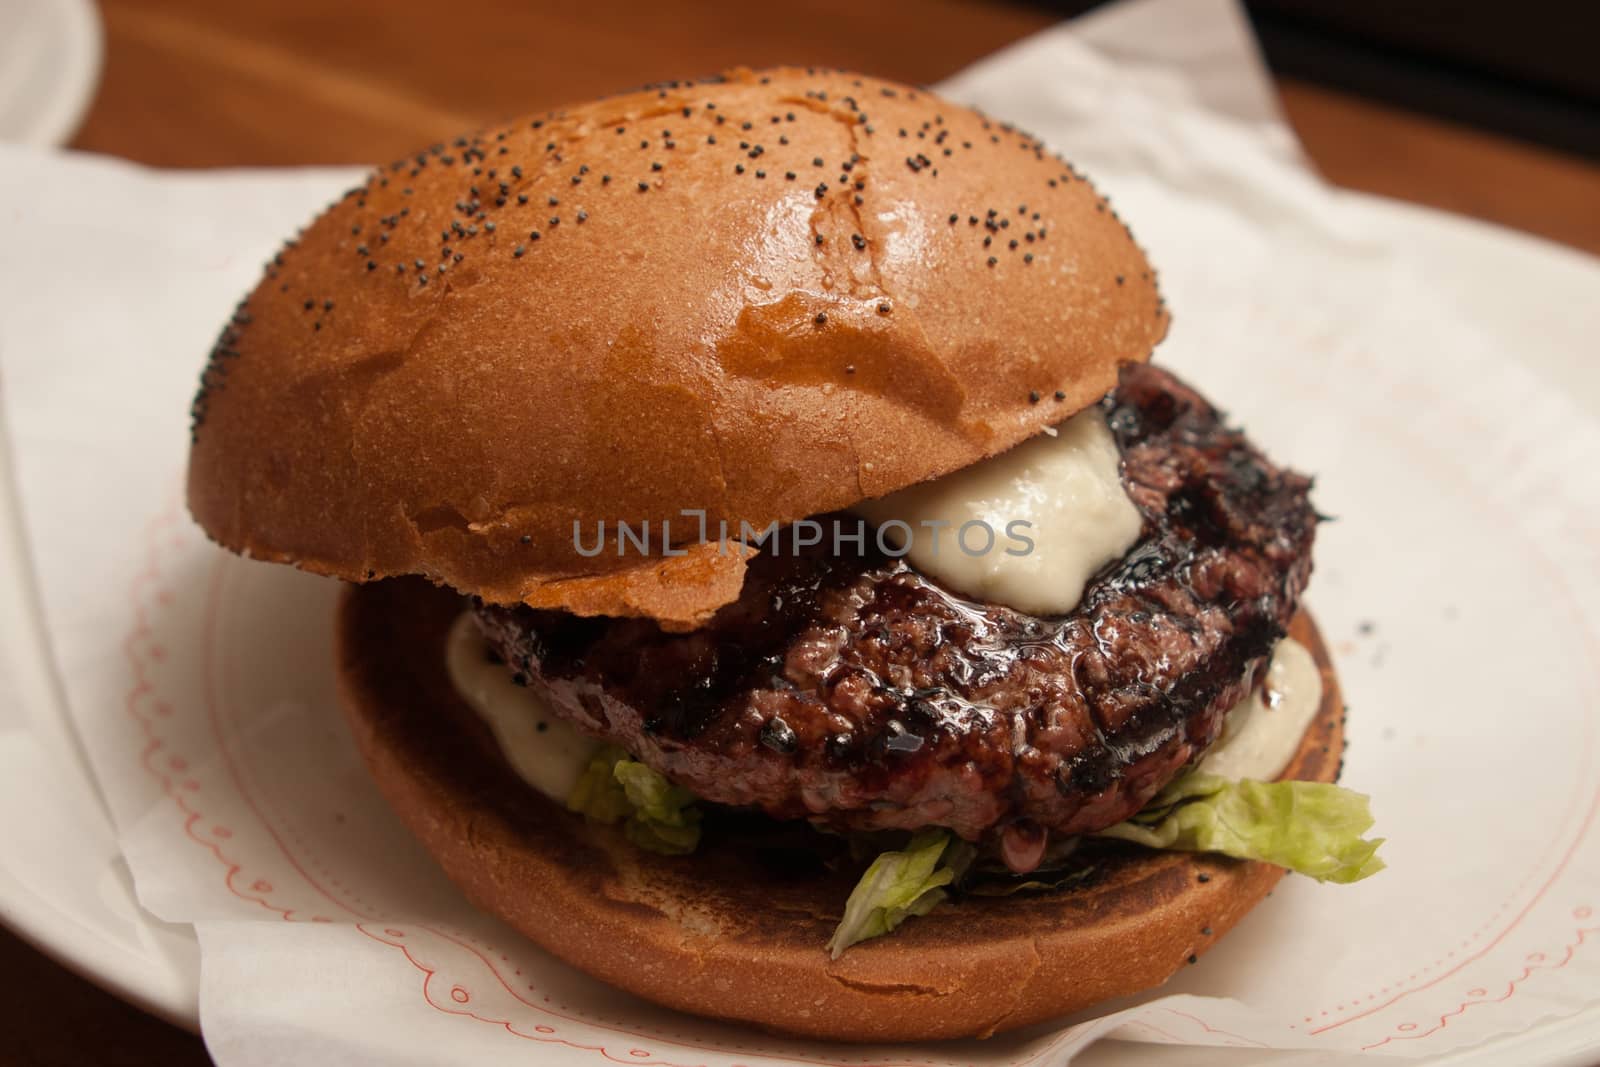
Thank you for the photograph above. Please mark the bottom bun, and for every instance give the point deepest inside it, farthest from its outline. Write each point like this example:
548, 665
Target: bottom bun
737, 931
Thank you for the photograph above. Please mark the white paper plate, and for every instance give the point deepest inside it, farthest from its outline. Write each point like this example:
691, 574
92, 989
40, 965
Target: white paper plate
63, 886
49, 65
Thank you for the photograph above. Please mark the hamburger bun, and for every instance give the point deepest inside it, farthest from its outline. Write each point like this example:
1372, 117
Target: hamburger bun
766, 295
724, 933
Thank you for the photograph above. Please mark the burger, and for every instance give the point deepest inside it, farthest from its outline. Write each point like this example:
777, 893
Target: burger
779, 584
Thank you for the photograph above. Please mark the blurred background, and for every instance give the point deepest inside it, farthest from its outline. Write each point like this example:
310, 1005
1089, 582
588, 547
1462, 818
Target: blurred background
1486, 109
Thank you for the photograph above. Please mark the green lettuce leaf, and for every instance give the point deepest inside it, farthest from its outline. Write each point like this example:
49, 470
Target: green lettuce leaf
598, 794
900, 884
664, 816
1311, 827
656, 814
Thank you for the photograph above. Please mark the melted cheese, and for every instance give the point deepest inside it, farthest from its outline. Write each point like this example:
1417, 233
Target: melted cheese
1263, 731
544, 751
1065, 485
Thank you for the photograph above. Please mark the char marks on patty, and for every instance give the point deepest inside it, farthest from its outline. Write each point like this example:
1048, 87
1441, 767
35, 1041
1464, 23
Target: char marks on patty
852, 690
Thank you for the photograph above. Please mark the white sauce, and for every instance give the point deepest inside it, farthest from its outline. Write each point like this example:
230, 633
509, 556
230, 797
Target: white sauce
1066, 482
544, 751
1263, 731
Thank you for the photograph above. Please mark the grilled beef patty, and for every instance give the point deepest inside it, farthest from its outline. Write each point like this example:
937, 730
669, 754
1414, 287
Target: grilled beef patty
853, 691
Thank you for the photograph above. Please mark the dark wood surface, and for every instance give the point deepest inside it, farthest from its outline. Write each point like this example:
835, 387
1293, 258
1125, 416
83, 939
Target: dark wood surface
193, 83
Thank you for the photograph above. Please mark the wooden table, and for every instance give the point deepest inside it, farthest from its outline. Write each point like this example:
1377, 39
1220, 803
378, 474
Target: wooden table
192, 83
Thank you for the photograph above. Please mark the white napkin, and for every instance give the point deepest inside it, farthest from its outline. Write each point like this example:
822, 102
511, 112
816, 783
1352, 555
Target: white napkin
1459, 587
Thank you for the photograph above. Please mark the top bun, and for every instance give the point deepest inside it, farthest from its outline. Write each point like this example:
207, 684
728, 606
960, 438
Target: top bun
765, 295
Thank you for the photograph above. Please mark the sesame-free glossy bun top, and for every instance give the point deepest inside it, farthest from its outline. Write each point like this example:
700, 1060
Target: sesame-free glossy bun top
765, 295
